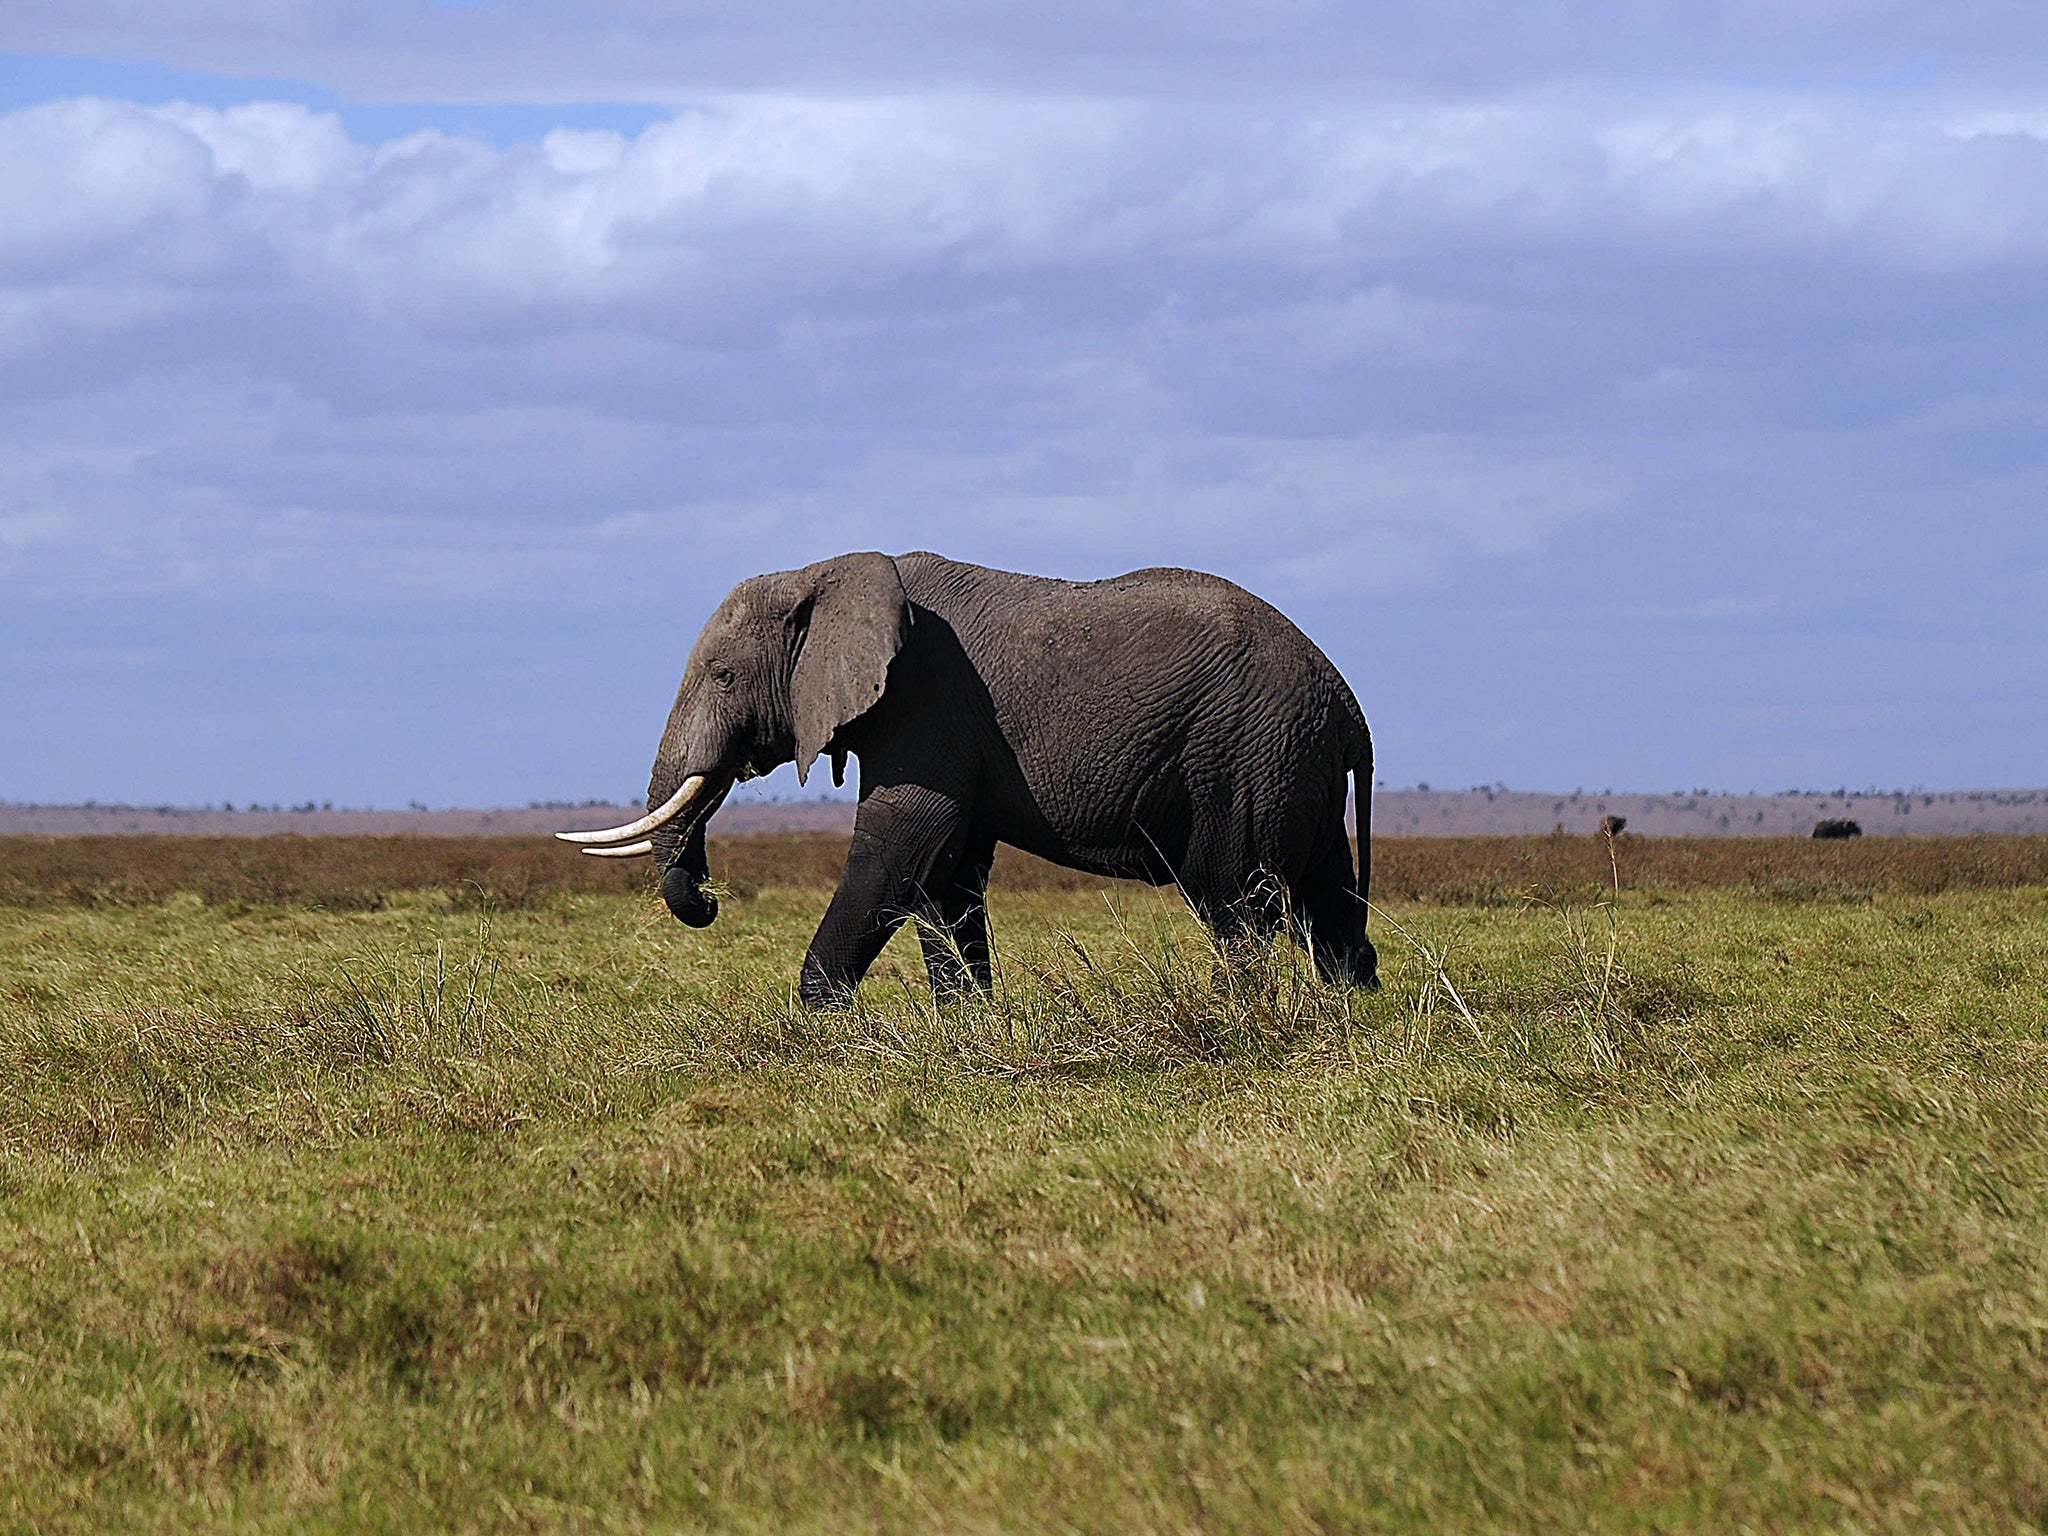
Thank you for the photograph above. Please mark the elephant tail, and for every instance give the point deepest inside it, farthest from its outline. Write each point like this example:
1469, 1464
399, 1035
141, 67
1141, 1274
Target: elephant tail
1361, 810
1365, 963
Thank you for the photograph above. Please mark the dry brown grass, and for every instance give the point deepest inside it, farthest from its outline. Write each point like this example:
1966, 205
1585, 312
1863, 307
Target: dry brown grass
1465, 871
360, 873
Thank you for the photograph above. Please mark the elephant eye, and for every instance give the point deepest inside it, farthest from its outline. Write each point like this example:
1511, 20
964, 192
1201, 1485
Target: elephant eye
723, 677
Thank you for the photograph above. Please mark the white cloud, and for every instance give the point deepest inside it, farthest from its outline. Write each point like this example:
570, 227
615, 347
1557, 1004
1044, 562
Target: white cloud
1471, 357
1314, 519
766, 197
1299, 346
89, 181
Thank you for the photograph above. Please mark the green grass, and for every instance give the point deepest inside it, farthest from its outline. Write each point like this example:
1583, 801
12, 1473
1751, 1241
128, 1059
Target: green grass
1715, 1212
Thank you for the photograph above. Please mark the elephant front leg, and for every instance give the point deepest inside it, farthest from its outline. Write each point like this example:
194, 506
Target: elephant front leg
907, 844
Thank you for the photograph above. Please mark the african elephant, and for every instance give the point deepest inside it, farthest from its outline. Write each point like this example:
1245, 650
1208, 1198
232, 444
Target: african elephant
1163, 726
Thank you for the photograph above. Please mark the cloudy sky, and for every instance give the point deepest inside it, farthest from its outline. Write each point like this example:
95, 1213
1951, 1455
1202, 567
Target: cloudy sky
1623, 395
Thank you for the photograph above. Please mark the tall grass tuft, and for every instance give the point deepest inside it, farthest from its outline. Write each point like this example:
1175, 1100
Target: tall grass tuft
416, 1005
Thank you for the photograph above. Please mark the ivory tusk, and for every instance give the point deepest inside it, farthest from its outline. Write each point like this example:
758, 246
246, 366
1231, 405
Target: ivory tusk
630, 851
660, 816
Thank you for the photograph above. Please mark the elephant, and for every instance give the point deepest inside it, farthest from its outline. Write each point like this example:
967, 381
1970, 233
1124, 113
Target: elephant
1165, 726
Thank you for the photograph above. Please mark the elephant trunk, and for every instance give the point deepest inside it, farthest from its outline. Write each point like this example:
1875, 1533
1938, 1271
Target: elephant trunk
682, 880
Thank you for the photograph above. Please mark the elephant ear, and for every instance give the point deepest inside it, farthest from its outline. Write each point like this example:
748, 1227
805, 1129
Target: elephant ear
850, 624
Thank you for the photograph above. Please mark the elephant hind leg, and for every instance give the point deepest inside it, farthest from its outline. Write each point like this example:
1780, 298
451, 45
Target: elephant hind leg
1242, 909
953, 927
1329, 915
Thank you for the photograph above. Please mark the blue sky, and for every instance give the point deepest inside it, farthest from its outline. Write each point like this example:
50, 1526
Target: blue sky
388, 391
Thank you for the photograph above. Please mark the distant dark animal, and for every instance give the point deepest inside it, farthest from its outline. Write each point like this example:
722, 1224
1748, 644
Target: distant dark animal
1837, 827
1163, 725
1610, 826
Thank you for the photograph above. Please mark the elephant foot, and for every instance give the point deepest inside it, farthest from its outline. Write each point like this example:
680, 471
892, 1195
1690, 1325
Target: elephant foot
1356, 968
823, 994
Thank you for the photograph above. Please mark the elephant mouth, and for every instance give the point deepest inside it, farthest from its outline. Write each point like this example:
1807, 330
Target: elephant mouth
674, 833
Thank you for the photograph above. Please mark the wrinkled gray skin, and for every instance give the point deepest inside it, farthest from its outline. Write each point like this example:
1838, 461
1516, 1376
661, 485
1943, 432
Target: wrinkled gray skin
1164, 726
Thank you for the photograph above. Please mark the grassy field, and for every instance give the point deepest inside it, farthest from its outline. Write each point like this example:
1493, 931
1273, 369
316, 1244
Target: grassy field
359, 1201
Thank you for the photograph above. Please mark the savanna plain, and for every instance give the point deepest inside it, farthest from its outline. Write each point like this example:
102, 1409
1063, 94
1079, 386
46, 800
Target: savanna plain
409, 1184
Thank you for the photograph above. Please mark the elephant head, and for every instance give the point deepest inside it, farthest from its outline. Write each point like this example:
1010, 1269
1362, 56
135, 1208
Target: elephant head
784, 664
